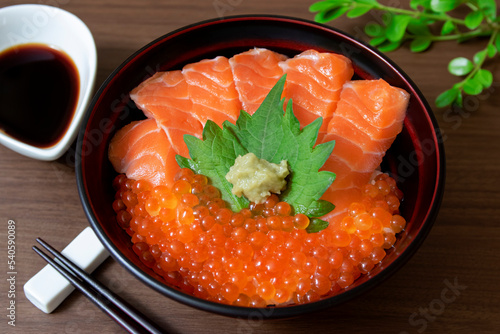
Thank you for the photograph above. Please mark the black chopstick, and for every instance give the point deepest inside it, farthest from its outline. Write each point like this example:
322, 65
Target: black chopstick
118, 309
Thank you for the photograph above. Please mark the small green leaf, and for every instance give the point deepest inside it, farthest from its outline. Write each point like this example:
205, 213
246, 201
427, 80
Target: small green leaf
420, 44
460, 66
489, 8
447, 97
321, 6
472, 87
389, 46
330, 15
397, 27
377, 41
374, 30
442, 6
484, 77
418, 28
448, 28
358, 11
491, 50
317, 209
474, 19
479, 57
316, 225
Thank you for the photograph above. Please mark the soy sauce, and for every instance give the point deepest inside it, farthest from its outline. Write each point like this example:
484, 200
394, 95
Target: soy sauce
39, 88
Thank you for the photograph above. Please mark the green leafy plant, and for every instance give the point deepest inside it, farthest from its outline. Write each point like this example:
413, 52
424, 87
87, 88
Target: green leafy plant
417, 26
274, 136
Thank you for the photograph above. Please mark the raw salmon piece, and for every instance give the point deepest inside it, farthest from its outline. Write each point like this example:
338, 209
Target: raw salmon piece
212, 90
368, 118
165, 97
314, 82
142, 151
255, 72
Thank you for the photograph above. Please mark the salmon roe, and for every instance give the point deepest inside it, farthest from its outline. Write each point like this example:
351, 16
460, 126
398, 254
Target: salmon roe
261, 255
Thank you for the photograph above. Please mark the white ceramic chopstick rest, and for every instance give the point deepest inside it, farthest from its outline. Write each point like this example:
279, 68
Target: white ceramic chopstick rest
47, 289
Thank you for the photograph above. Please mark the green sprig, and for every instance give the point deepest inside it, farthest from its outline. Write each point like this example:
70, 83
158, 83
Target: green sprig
413, 26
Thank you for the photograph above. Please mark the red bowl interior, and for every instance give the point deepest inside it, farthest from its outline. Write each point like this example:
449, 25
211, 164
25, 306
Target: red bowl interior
416, 158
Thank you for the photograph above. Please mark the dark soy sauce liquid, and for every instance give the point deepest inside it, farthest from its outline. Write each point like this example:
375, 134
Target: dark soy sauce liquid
38, 93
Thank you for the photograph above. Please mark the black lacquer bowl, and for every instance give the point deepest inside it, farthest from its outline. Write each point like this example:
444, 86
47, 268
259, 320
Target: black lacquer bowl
416, 158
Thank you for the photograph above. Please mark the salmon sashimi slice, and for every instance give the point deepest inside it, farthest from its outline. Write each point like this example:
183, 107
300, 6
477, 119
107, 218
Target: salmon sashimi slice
362, 116
255, 72
314, 82
142, 151
369, 116
165, 97
212, 90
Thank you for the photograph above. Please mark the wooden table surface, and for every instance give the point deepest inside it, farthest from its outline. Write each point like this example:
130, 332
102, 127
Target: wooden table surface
462, 250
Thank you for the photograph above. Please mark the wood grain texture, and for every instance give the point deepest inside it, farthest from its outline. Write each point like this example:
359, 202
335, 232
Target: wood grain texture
462, 248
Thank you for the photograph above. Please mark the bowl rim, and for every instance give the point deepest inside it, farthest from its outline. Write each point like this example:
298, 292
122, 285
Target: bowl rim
85, 90
269, 312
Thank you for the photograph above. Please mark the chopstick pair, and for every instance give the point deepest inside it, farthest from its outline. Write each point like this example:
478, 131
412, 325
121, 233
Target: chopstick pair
118, 309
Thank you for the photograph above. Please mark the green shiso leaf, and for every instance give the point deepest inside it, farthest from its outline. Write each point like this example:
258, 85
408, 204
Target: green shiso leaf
273, 135
286, 141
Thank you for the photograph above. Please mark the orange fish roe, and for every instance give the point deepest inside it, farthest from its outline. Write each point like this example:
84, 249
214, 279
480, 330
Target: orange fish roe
261, 255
